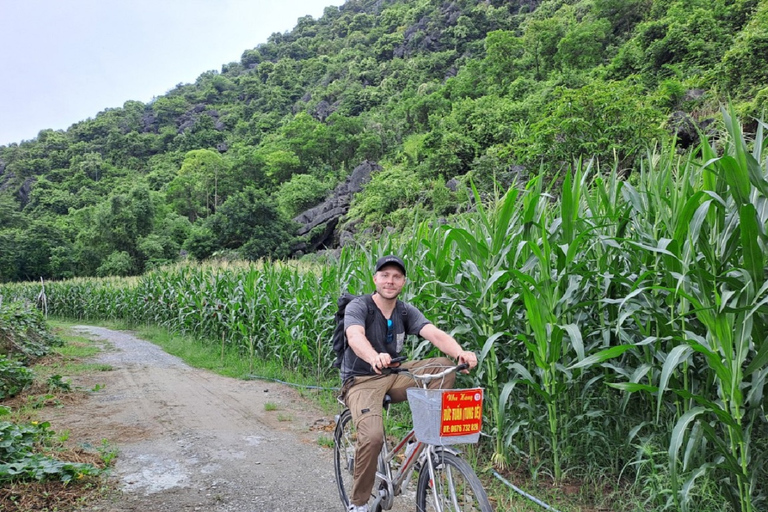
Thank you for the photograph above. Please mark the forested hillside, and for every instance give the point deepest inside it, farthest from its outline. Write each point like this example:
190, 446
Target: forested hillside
430, 93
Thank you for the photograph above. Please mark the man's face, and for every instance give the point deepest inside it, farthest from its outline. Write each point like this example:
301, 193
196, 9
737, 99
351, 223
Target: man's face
389, 281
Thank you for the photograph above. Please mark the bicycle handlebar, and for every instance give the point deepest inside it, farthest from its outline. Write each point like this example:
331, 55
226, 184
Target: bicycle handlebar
427, 377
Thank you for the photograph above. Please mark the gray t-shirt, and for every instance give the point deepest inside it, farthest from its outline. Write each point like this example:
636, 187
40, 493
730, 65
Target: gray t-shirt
406, 319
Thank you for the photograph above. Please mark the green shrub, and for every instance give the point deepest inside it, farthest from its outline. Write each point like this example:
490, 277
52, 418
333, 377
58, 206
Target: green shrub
23, 332
21, 460
14, 377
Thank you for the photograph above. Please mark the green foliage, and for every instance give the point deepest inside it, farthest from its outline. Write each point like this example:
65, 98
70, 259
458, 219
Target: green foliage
119, 263
609, 121
19, 446
743, 72
14, 377
481, 90
201, 185
620, 324
24, 334
388, 191
251, 222
302, 192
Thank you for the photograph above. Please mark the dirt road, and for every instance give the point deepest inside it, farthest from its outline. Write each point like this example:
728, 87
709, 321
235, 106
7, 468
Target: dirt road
192, 440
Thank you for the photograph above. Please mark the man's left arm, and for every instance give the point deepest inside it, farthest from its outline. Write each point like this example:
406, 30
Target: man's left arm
447, 345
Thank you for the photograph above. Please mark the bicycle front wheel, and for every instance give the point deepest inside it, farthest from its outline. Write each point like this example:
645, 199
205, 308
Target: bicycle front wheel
344, 439
455, 487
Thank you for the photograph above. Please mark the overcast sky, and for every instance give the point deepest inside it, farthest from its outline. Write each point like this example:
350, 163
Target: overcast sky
63, 61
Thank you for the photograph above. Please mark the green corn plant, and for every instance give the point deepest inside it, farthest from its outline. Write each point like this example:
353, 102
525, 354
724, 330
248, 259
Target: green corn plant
714, 361
554, 283
462, 273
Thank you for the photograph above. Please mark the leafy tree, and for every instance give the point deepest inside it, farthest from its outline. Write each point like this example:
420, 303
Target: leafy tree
744, 63
46, 198
201, 243
503, 51
582, 45
249, 222
168, 108
450, 152
540, 38
388, 191
119, 263
300, 193
606, 120
10, 216
156, 250
248, 166
307, 139
121, 221
623, 15
280, 164
201, 185
33, 248
9, 257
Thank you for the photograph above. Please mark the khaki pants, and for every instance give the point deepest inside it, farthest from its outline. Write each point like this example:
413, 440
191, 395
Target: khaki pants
364, 397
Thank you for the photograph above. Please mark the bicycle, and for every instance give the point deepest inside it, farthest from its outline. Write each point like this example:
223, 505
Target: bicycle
446, 482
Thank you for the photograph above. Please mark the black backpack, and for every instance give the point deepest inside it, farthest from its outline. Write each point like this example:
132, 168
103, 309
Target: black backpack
339, 337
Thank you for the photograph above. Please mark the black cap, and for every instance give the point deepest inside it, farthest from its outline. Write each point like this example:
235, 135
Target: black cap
390, 260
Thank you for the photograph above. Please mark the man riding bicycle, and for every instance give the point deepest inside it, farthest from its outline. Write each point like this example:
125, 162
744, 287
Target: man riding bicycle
376, 326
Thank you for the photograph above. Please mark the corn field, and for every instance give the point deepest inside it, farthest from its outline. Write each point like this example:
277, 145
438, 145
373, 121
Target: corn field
620, 322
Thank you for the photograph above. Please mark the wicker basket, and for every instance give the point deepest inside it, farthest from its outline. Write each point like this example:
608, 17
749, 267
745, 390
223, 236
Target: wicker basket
426, 408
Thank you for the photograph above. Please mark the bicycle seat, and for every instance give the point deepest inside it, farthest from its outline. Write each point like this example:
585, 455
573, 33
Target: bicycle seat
387, 401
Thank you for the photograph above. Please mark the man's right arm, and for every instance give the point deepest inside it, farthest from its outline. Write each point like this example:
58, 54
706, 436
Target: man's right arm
364, 350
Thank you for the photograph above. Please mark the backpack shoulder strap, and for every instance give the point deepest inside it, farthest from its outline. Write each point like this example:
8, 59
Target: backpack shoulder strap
369, 303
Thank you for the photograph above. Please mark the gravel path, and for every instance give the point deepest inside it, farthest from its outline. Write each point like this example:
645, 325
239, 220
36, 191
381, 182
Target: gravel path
189, 439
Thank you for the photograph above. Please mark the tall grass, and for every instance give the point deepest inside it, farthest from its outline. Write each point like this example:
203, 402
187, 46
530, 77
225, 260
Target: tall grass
620, 323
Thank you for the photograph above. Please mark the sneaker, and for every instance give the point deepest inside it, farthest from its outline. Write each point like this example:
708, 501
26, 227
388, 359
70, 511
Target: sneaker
357, 508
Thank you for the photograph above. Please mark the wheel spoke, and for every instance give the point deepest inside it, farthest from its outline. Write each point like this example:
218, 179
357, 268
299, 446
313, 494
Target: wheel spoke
454, 487
345, 438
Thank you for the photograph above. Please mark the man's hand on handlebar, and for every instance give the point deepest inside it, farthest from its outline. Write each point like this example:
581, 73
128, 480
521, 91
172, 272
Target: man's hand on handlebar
384, 361
467, 358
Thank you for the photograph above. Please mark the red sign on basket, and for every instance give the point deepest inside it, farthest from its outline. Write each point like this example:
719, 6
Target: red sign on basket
462, 412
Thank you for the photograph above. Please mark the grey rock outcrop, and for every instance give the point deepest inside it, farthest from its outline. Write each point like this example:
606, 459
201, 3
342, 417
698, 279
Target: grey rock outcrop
319, 224
686, 128
25, 190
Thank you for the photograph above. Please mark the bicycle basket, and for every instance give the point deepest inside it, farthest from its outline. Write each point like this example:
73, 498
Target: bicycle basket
446, 416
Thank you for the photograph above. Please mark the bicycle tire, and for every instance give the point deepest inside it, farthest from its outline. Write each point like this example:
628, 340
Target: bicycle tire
456, 484
344, 440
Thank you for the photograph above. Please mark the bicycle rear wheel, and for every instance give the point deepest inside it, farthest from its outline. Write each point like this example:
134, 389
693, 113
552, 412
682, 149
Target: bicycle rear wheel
455, 486
344, 439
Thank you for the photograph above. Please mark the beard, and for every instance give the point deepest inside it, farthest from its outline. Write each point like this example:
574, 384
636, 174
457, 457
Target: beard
388, 293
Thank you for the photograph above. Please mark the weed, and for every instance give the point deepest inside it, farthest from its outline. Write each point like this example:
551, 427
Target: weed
55, 382
325, 441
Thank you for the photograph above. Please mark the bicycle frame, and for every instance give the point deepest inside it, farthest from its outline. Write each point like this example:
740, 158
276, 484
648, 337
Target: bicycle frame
438, 466
394, 481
